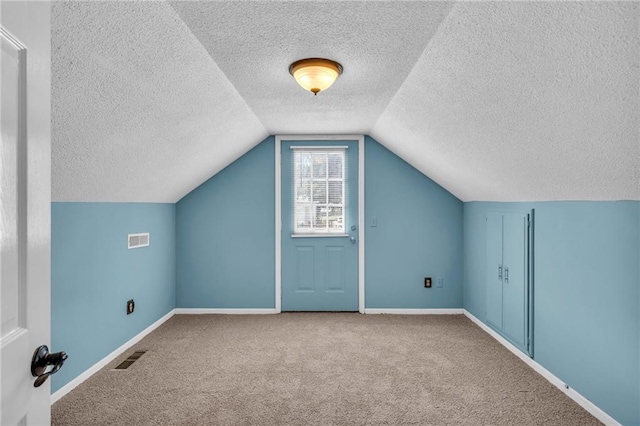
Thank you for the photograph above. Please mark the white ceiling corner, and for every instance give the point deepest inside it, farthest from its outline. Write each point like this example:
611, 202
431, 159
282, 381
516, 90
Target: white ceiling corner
140, 111
524, 102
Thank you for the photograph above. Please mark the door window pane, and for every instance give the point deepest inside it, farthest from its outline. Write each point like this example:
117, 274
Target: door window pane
319, 161
303, 191
319, 190
335, 217
335, 192
304, 166
335, 165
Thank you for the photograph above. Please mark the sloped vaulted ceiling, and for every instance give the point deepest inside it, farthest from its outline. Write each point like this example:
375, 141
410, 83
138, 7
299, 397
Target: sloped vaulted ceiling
525, 101
493, 100
140, 111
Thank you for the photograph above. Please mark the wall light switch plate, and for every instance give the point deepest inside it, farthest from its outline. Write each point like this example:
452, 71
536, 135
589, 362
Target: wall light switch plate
439, 282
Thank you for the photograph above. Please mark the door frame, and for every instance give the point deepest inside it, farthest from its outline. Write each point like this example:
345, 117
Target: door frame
278, 206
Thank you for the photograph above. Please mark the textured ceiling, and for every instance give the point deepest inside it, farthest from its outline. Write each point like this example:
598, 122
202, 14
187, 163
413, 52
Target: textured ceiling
525, 101
493, 100
254, 42
140, 111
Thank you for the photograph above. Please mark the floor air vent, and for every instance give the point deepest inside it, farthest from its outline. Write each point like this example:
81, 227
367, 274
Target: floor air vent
132, 358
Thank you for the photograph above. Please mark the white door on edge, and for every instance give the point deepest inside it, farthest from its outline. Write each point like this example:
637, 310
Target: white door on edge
25, 203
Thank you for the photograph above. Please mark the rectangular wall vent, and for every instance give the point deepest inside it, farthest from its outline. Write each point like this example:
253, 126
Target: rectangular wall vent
138, 240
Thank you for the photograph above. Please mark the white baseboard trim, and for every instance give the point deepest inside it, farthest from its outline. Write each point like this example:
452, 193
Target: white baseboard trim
106, 360
436, 311
226, 311
554, 380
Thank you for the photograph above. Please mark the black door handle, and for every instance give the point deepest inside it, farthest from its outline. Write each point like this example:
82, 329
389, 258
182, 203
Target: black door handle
41, 360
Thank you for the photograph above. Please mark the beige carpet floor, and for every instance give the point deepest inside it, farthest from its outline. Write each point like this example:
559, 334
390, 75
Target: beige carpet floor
319, 369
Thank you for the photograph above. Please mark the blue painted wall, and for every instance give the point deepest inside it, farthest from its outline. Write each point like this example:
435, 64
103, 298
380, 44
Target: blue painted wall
418, 234
586, 302
226, 236
215, 249
93, 274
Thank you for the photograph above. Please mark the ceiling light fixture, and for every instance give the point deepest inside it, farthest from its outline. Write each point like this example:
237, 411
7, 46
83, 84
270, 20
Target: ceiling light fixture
315, 74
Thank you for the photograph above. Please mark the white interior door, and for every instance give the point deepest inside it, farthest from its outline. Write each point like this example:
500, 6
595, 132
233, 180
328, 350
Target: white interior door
25, 195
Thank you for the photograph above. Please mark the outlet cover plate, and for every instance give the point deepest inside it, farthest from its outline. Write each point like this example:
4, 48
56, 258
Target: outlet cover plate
130, 306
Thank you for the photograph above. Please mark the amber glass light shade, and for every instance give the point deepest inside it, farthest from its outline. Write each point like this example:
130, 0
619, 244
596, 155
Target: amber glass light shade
315, 74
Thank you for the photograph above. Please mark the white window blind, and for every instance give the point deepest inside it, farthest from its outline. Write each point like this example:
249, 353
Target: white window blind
319, 190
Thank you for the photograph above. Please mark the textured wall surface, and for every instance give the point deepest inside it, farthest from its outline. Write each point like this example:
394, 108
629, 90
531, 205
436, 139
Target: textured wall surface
495, 101
418, 234
226, 236
93, 274
586, 310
